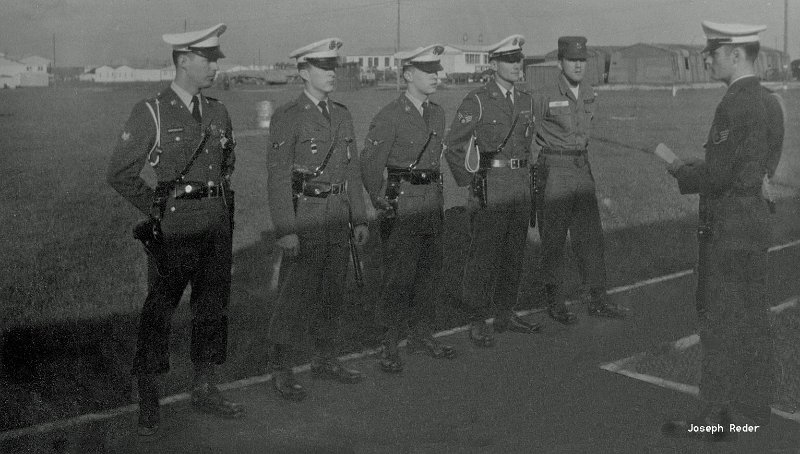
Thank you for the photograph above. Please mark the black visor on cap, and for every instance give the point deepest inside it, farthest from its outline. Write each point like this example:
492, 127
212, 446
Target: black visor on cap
209, 53
510, 57
714, 44
327, 64
430, 67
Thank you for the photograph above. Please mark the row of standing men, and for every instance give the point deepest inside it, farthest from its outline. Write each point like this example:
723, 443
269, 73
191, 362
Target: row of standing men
316, 181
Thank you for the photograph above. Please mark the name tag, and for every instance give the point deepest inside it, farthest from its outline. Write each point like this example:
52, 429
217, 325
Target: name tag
559, 104
173, 130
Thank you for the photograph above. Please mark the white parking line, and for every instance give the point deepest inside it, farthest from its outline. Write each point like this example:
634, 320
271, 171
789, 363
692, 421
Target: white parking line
684, 343
258, 379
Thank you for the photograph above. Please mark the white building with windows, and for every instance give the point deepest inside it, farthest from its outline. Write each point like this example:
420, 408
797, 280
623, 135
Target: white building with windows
465, 59
36, 64
375, 59
10, 72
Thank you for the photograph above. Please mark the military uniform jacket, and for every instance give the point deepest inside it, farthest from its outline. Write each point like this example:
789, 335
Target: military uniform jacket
744, 144
395, 139
300, 138
180, 136
485, 113
564, 121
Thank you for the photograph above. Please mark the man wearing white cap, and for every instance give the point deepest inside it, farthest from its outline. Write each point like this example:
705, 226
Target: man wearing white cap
314, 190
497, 119
187, 139
404, 143
742, 150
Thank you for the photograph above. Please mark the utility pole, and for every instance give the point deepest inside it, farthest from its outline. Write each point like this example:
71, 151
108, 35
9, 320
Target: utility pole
53, 68
397, 47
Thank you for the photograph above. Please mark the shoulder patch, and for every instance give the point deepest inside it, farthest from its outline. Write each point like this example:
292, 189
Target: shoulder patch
464, 117
126, 136
720, 130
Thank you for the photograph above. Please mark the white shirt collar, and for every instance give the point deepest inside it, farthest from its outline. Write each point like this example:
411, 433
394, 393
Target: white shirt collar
184, 96
416, 102
316, 101
504, 91
741, 77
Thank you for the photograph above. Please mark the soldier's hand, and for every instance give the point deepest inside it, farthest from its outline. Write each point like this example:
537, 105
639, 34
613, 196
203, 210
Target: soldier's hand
361, 234
767, 189
383, 207
290, 244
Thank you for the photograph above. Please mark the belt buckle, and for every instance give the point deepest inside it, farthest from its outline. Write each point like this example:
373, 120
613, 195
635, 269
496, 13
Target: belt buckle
514, 163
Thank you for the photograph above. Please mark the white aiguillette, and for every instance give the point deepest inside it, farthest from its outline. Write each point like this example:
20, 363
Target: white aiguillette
663, 152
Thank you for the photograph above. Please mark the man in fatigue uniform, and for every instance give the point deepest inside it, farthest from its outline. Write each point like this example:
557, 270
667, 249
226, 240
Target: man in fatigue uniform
741, 153
499, 118
167, 131
314, 185
404, 143
564, 113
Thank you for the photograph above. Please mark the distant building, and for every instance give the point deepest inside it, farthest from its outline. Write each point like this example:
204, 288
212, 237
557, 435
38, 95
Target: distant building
123, 73
37, 64
10, 72
104, 74
465, 59
374, 59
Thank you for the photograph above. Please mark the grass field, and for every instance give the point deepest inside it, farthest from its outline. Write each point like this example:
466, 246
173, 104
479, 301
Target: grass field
73, 279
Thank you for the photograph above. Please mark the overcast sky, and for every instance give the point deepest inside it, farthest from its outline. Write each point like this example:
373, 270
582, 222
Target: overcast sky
120, 31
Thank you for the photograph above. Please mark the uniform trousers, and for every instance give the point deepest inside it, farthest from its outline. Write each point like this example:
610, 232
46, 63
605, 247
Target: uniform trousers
735, 331
498, 236
196, 251
306, 314
570, 205
411, 266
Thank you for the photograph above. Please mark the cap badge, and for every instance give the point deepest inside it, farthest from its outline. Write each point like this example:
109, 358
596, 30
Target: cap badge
334, 45
438, 50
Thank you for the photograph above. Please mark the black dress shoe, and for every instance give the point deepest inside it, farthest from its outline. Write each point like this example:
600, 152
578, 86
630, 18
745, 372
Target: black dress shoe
605, 309
430, 346
390, 361
284, 382
332, 369
206, 397
481, 334
515, 324
149, 410
561, 314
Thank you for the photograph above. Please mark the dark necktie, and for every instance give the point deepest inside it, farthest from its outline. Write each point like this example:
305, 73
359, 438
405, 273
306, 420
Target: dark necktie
196, 109
426, 113
510, 99
324, 106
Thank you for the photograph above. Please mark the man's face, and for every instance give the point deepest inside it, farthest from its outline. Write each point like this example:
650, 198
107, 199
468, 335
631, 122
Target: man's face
423, 82
720, 63
507, 70
318, 79
200, 71
573, 70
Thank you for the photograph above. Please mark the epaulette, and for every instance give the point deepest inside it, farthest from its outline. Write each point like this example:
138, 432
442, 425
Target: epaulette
212, 99
339, 104
284, 108
520, 90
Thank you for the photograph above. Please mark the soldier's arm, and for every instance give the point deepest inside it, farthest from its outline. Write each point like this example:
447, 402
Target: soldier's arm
280, 158
464, 123
355, 185
129, 156
716, 173
377, 145
230, 144
775, 122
